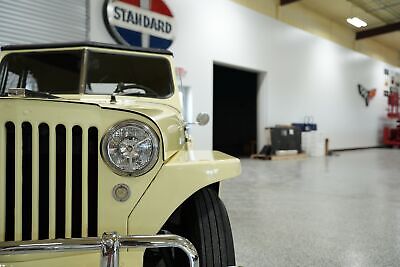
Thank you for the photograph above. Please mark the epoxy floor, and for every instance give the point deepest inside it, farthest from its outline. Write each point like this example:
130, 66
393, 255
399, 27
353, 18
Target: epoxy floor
342, 210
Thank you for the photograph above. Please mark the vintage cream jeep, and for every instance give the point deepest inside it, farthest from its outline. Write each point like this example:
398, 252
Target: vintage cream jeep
96, 166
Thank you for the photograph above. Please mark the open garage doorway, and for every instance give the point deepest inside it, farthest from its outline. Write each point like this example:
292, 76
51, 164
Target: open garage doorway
235, 111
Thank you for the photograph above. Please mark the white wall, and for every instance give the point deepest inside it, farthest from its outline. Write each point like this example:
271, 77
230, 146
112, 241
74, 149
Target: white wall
302, 74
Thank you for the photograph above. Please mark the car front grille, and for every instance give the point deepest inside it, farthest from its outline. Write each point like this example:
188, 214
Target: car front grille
48, 181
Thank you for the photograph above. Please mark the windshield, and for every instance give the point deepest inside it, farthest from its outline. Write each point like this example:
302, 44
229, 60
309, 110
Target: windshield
51, 72
104, 74
106, 71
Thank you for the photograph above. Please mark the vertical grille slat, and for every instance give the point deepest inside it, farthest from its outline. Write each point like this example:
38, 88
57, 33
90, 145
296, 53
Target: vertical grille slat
76, 218
49, 183
3, 142
84, 175
35, 182
10, 181
93, 182
26, 222
18, 183
68, 184
44, 145
61, 161
52, 182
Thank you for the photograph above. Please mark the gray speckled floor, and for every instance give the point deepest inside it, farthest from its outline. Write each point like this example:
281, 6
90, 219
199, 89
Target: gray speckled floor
342, 210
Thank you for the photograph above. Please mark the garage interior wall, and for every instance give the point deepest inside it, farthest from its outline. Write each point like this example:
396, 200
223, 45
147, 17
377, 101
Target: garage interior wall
303, 74
304, 17
43, 21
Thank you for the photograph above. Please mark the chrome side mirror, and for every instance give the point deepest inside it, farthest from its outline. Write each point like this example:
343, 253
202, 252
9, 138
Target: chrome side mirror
202, 119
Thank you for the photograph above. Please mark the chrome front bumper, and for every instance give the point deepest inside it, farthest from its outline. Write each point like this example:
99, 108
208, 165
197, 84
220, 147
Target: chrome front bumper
109, 246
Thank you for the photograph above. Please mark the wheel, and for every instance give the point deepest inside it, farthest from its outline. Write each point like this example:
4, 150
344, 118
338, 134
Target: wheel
210, 230
204, 221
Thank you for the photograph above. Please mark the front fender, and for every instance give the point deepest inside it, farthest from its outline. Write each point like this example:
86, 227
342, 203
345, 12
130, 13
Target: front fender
182, 176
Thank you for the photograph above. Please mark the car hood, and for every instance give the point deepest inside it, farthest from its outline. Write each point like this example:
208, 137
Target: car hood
167, 118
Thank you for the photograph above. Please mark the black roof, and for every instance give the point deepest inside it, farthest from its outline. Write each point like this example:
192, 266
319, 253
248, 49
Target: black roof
88, 44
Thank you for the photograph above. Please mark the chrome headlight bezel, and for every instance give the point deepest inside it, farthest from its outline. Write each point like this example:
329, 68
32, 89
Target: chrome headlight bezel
155, 148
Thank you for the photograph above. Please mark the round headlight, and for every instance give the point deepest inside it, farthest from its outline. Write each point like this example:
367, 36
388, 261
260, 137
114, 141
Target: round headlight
130, 148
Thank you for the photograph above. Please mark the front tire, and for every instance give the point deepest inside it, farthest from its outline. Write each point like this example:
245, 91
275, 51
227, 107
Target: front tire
210, 230
204, 221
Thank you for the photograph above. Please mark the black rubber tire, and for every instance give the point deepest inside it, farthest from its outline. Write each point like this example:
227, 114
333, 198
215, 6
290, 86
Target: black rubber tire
207, 226
203, 220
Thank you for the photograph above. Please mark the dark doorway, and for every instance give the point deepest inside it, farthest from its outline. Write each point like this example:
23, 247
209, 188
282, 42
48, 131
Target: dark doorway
235, 111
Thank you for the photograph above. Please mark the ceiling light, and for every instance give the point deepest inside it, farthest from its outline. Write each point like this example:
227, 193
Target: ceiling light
356, 22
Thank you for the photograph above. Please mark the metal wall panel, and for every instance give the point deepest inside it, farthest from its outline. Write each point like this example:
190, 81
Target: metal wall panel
43, 21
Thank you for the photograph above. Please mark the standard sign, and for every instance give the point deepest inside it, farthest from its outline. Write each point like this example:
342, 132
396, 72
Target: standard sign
144, 23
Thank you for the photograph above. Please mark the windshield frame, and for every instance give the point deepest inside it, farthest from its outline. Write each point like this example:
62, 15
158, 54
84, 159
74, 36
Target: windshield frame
84, 68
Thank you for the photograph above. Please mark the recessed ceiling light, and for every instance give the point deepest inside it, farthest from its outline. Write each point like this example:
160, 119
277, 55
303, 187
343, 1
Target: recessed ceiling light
356, 22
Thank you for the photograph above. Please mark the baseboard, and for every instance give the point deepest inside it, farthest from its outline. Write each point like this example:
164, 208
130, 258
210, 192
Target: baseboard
356, 148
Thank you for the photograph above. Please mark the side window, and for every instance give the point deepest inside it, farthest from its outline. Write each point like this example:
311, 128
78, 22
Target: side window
12, 80
31, 83
101, 88
3, 77
8, 79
